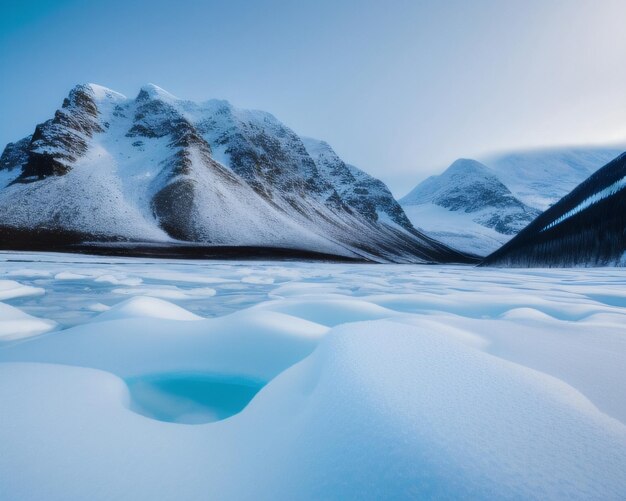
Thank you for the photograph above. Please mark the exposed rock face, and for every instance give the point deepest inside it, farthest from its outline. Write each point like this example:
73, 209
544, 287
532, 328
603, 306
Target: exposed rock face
354, 188
58, 142
470, 187
15, 155
160, 169
587, 227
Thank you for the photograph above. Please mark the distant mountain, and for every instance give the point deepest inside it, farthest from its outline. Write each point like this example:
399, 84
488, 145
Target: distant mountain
540, 178
527, 183
157, 171
587, 227
468, 208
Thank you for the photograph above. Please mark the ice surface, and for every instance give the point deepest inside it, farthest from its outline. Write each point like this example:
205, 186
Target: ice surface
190, 398
378, 381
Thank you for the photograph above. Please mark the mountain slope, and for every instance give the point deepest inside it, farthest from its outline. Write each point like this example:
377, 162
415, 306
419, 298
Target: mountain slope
360, 191
540, 178
467, 207
160, 170
585, 228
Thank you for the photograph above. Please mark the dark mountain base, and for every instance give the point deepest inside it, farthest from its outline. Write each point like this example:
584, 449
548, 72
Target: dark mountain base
48, 240
79, 243
594, 237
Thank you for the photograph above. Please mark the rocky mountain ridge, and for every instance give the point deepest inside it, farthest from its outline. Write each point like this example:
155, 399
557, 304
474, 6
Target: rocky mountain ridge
165, 171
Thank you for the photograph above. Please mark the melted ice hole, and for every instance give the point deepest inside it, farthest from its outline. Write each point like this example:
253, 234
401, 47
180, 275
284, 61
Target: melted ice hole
190, 398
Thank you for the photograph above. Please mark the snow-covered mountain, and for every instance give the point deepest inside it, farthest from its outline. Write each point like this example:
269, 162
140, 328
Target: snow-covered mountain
587, 227
157, 169
477, 207
468, 208
540, 178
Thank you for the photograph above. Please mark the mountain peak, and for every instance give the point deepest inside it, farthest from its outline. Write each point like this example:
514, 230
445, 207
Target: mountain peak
94, 93
102, 93
467, 196
466, 166
458, 176
152, 91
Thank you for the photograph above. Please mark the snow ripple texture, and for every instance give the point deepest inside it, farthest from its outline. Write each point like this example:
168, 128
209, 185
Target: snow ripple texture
380, 381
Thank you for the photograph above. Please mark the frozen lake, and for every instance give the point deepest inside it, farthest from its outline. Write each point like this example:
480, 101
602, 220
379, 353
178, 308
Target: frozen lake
138, 379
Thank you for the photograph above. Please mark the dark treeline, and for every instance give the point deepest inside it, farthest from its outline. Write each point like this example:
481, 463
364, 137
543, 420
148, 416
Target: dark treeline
595, 236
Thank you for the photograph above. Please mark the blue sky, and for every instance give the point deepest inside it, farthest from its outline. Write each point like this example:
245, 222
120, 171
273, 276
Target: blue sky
399, 88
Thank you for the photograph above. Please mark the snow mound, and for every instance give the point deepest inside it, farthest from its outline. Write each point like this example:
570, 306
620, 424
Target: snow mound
15, 324
10, 289
114, 280
146, 307
374, 413
251, 344
379, 410
331, 312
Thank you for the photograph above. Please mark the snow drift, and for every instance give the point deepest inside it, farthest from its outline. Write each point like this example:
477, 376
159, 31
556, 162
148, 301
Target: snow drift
392, 381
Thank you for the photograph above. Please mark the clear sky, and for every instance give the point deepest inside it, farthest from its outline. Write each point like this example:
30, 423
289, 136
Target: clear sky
398, 88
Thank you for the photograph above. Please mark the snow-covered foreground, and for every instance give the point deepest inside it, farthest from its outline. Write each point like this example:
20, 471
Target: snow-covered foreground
126, 379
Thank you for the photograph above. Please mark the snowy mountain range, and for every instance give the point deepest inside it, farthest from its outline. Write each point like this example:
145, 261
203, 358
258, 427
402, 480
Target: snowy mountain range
587, 227
161, 171
477, 207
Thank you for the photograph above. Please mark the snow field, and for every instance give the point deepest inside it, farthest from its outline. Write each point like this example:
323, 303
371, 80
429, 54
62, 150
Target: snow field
378, 381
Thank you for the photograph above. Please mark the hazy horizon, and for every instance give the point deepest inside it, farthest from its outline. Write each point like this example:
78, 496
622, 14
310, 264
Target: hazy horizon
400, 90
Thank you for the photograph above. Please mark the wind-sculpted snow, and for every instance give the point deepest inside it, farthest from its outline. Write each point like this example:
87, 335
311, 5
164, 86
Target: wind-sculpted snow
363, 382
